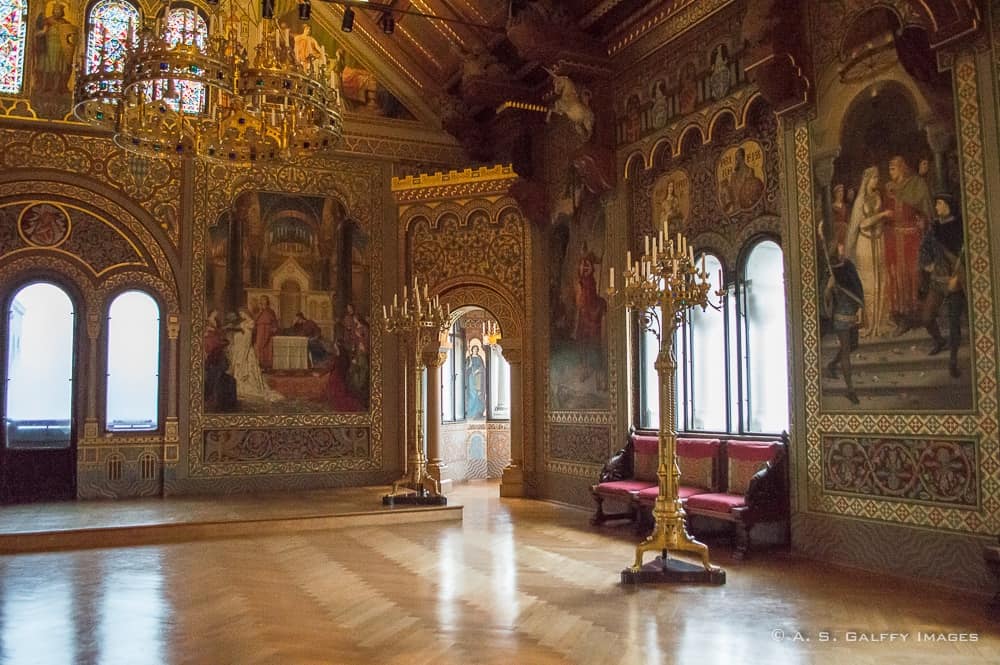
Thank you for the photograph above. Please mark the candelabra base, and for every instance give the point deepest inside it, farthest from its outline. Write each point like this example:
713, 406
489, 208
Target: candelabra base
664, 570
419, 498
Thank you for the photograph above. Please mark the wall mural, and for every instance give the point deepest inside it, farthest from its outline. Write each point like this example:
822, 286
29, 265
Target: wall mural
672, 200
891, 259
578, 306
311, 42
288, 301
54, 46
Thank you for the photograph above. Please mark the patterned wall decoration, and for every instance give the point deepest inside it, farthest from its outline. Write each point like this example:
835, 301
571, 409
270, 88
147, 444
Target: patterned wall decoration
726, 202
153, 184
460, 243
912, 429
298, 445
941, 471
357, 187
586, 444
68, 229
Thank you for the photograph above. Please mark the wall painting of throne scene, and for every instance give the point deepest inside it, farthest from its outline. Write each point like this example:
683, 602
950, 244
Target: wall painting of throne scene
288, 308
893, 310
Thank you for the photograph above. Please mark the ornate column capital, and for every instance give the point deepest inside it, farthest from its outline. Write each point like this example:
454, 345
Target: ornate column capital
434, 358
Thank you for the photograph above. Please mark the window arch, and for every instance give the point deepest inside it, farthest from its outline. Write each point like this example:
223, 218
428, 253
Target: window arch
13, 22
40, 351
765, 401
110, 25
133, 353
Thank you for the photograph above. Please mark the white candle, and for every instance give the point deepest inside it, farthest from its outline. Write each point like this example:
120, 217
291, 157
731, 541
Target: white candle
425, 290
395, 300
655, 253
646, 239
611, 277
385, 313
628, 260
691, 255
666, 231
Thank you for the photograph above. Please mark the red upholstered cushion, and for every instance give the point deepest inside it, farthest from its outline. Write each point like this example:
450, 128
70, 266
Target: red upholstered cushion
648, 495
752, 451
720, 503
623, 487
698, 447
646, 457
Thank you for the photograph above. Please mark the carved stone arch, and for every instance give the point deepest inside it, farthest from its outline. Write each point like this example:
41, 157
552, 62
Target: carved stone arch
692, 134
636, 162
28, 267
506, 207
491, 297
661, 152
163, 292
749, 105
713, 123
448, 212
121, 214
718, 244
413, 213
478, 208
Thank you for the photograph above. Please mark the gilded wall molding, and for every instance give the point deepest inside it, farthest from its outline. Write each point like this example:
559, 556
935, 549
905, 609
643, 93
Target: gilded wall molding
454, 185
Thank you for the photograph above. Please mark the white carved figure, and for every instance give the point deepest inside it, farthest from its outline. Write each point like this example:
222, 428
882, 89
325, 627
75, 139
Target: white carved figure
573, 104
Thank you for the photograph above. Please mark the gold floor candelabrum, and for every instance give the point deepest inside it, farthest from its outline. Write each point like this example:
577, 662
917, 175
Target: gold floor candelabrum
419, 321
661, 286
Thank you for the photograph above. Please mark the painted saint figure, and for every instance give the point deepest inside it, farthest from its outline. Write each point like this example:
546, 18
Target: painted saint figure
909, 200
475, 384
266, 327
865, 249
589, 325
56, 43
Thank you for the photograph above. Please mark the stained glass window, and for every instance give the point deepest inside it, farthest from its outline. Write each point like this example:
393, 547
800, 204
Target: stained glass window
12, 26
186, 26
108, 29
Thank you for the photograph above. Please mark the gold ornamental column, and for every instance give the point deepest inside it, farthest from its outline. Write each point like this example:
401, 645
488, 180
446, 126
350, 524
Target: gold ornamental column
512, 482
436, 467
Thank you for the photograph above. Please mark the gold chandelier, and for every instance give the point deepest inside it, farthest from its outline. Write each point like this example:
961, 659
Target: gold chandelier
180, 93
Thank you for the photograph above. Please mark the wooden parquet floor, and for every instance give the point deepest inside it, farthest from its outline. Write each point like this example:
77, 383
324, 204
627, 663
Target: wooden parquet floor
516, 582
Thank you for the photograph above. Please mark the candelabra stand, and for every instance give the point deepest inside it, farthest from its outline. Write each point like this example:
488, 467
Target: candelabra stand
419, 321
662, 286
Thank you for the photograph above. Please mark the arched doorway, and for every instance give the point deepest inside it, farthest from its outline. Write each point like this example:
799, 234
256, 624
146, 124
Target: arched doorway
475, 403
38, 455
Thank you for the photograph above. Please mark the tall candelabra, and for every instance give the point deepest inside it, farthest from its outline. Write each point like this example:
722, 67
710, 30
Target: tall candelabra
661, 286
418, 320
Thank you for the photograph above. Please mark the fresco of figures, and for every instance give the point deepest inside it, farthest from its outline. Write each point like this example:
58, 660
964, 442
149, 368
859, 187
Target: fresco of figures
894, 320
287, 303
578, 372
312, 45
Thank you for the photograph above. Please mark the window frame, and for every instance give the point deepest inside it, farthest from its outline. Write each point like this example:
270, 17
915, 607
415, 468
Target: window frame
735, 352
104, 367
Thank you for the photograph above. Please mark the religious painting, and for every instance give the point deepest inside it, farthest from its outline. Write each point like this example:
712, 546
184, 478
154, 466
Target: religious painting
672, 200
578, 371
740, 178
894, 322
44, 224
54, 46
475, 380
288, 305
313, 45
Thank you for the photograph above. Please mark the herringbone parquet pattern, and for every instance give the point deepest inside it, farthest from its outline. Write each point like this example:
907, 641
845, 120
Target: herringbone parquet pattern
517, 582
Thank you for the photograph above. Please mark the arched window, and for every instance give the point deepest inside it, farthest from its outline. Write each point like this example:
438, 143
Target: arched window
110, 25
766, 397
186, 25
732, 367
133, 362
707, 348
13, 15
39, 404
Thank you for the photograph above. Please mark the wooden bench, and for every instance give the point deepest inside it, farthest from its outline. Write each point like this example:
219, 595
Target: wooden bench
739, 481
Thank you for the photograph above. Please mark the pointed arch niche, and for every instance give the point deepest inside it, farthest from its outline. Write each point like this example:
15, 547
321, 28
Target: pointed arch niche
464, 235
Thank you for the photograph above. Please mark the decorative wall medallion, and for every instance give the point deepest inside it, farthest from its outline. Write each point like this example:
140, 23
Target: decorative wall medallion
44, 224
